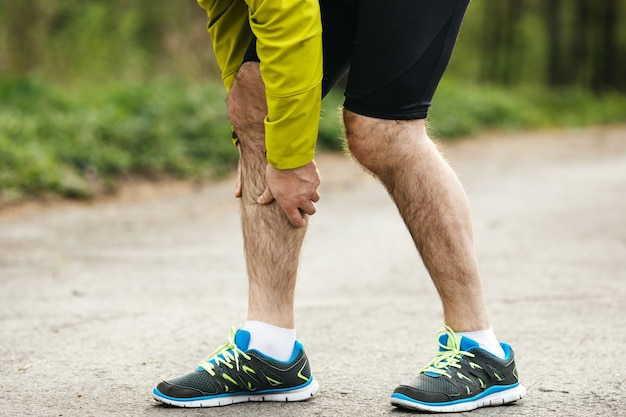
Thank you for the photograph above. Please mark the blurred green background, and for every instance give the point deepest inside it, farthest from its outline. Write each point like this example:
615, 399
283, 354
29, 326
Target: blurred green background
94, 92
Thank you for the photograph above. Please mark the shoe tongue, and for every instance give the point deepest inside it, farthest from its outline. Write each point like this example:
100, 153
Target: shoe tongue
242, 339
465, 345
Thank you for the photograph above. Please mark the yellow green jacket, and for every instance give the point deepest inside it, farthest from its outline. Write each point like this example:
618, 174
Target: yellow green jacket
289, 45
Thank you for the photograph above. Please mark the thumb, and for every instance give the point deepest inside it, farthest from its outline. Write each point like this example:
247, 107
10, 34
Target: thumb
266, 197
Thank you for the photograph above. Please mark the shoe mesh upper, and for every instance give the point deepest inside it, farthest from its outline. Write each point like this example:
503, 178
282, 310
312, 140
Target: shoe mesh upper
461, 370
433, 384
200, 380
478, 373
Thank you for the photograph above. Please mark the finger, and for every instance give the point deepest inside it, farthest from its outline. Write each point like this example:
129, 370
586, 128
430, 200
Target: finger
266, 197
308, 208
295, 218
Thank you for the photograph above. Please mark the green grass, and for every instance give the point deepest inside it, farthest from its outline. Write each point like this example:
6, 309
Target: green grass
81, 142
464, 110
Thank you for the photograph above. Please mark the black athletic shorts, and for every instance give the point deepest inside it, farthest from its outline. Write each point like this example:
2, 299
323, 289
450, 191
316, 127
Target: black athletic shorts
395, 51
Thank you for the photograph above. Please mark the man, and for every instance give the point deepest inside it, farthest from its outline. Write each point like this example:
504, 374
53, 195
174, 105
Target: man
396, 51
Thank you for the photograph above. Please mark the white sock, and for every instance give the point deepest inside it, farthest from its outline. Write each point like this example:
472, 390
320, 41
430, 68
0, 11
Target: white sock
273, 341
486, 339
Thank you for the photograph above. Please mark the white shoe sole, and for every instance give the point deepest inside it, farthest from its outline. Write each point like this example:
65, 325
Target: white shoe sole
300, 394
497, 398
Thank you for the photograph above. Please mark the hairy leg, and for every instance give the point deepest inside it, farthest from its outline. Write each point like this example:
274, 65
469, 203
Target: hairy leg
272, 245
433, 204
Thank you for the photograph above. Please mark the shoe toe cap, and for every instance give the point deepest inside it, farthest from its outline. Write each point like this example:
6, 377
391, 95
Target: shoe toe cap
176, 391
420, 395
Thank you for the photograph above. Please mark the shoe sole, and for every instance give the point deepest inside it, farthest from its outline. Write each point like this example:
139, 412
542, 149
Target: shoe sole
498, 398
300, 394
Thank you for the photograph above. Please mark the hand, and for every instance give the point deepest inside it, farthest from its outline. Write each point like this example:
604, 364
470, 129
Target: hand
295, 191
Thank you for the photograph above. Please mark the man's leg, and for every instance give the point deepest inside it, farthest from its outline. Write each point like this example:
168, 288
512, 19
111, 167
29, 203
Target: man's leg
272, 245
434, 207
479, 371
237, 372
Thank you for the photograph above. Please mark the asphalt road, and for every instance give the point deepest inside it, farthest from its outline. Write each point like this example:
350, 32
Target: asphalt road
99, 302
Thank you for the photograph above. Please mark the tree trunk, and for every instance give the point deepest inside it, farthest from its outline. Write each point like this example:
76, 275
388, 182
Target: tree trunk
22, 54
555, 43
605, 75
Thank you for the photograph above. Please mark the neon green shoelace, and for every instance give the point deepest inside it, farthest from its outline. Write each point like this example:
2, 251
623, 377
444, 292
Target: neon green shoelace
448, 356
224, 354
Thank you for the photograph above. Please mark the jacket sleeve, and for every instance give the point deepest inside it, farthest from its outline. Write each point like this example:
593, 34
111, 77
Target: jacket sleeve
230, 33
289, 45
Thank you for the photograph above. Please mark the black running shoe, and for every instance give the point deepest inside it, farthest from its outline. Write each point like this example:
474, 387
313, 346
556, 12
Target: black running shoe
234, 374
462, 377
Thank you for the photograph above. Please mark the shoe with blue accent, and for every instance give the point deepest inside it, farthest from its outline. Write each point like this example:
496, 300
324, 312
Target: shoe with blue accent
462, 377
234, 374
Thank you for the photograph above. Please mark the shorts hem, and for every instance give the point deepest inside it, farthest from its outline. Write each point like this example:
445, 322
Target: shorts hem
386, 115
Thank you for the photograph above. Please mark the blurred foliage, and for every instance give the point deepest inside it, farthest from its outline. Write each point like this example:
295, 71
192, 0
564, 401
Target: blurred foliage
579, 43
101, 40
552, 43
77, 142
460, 110
91, 92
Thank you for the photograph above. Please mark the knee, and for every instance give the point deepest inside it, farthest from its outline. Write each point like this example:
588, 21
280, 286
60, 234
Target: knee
365, 140
384, 145
247, 106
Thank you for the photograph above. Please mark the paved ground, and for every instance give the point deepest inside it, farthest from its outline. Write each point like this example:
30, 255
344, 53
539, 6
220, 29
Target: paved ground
100, 302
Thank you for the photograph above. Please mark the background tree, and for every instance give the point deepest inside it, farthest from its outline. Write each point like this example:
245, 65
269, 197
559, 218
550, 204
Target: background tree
552, 43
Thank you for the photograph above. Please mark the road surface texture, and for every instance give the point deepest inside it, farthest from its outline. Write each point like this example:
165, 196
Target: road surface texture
100, 302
